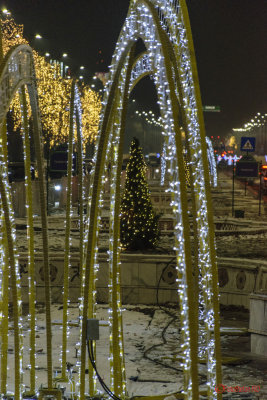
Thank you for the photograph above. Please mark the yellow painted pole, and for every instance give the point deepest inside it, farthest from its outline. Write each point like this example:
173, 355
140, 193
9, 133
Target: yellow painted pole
192, 306
4, 309
93, 274
67, 240
94, 213
5, 279
13, 276
119, 385
185, 122
30, 238
5, 271
9, 262
214, 270
81, 186
40, 166
209, 304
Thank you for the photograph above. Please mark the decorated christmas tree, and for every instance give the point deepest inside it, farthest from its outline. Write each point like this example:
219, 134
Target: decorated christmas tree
139, 223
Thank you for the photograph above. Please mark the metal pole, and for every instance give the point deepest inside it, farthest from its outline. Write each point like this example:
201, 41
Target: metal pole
47, 174
233, 189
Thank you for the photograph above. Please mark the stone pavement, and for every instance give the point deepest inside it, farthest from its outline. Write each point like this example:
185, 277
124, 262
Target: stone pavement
247, 369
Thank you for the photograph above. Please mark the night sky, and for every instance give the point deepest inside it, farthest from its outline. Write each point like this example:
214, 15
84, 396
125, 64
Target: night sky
230, 38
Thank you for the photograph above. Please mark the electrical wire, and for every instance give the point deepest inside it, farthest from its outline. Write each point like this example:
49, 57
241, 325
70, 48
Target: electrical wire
92, 360
157, 291
173, 318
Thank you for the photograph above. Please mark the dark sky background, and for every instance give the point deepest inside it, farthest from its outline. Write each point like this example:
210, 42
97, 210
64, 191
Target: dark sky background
230, 38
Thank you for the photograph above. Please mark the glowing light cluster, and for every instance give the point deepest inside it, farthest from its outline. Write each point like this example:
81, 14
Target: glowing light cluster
258, 120
53, 93
139, 225
150, 118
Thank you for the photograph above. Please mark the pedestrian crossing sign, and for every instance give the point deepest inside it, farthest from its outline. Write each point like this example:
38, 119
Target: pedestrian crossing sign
248, 144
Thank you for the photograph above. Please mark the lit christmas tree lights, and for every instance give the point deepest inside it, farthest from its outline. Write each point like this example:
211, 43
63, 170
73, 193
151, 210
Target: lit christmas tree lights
139, 224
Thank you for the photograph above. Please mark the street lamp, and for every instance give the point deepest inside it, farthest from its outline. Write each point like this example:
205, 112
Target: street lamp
6, 12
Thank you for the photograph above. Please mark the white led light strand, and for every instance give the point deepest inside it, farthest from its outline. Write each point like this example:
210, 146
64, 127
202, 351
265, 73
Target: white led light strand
212, 162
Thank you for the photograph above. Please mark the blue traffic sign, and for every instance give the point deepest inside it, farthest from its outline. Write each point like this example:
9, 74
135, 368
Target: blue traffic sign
247, 143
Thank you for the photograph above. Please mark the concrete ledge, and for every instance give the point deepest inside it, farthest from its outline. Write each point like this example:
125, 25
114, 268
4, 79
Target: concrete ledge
144, 278
258, 323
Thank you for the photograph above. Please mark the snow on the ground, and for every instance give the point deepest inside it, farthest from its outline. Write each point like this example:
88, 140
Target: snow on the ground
140, 332
143, 327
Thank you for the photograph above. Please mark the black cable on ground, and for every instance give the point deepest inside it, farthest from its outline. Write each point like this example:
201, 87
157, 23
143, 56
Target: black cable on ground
157, 290
160, 344
92, 360
174, 317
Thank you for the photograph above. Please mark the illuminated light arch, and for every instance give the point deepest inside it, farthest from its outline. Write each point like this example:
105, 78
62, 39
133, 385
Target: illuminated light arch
17, 72
164, 27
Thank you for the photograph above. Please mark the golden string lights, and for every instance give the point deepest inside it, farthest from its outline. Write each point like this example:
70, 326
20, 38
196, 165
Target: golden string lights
54, 94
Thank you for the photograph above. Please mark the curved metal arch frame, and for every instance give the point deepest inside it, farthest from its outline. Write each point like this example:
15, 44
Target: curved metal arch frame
16, 72
194, 116
100, 159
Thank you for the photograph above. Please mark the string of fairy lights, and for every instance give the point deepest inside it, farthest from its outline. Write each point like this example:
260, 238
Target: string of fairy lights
53, 93
212, 162
11, 74
207, 317
150, 118
145, 19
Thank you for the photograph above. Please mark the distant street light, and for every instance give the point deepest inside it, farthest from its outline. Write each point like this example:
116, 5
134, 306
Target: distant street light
37, 36
6, 12
64, 55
